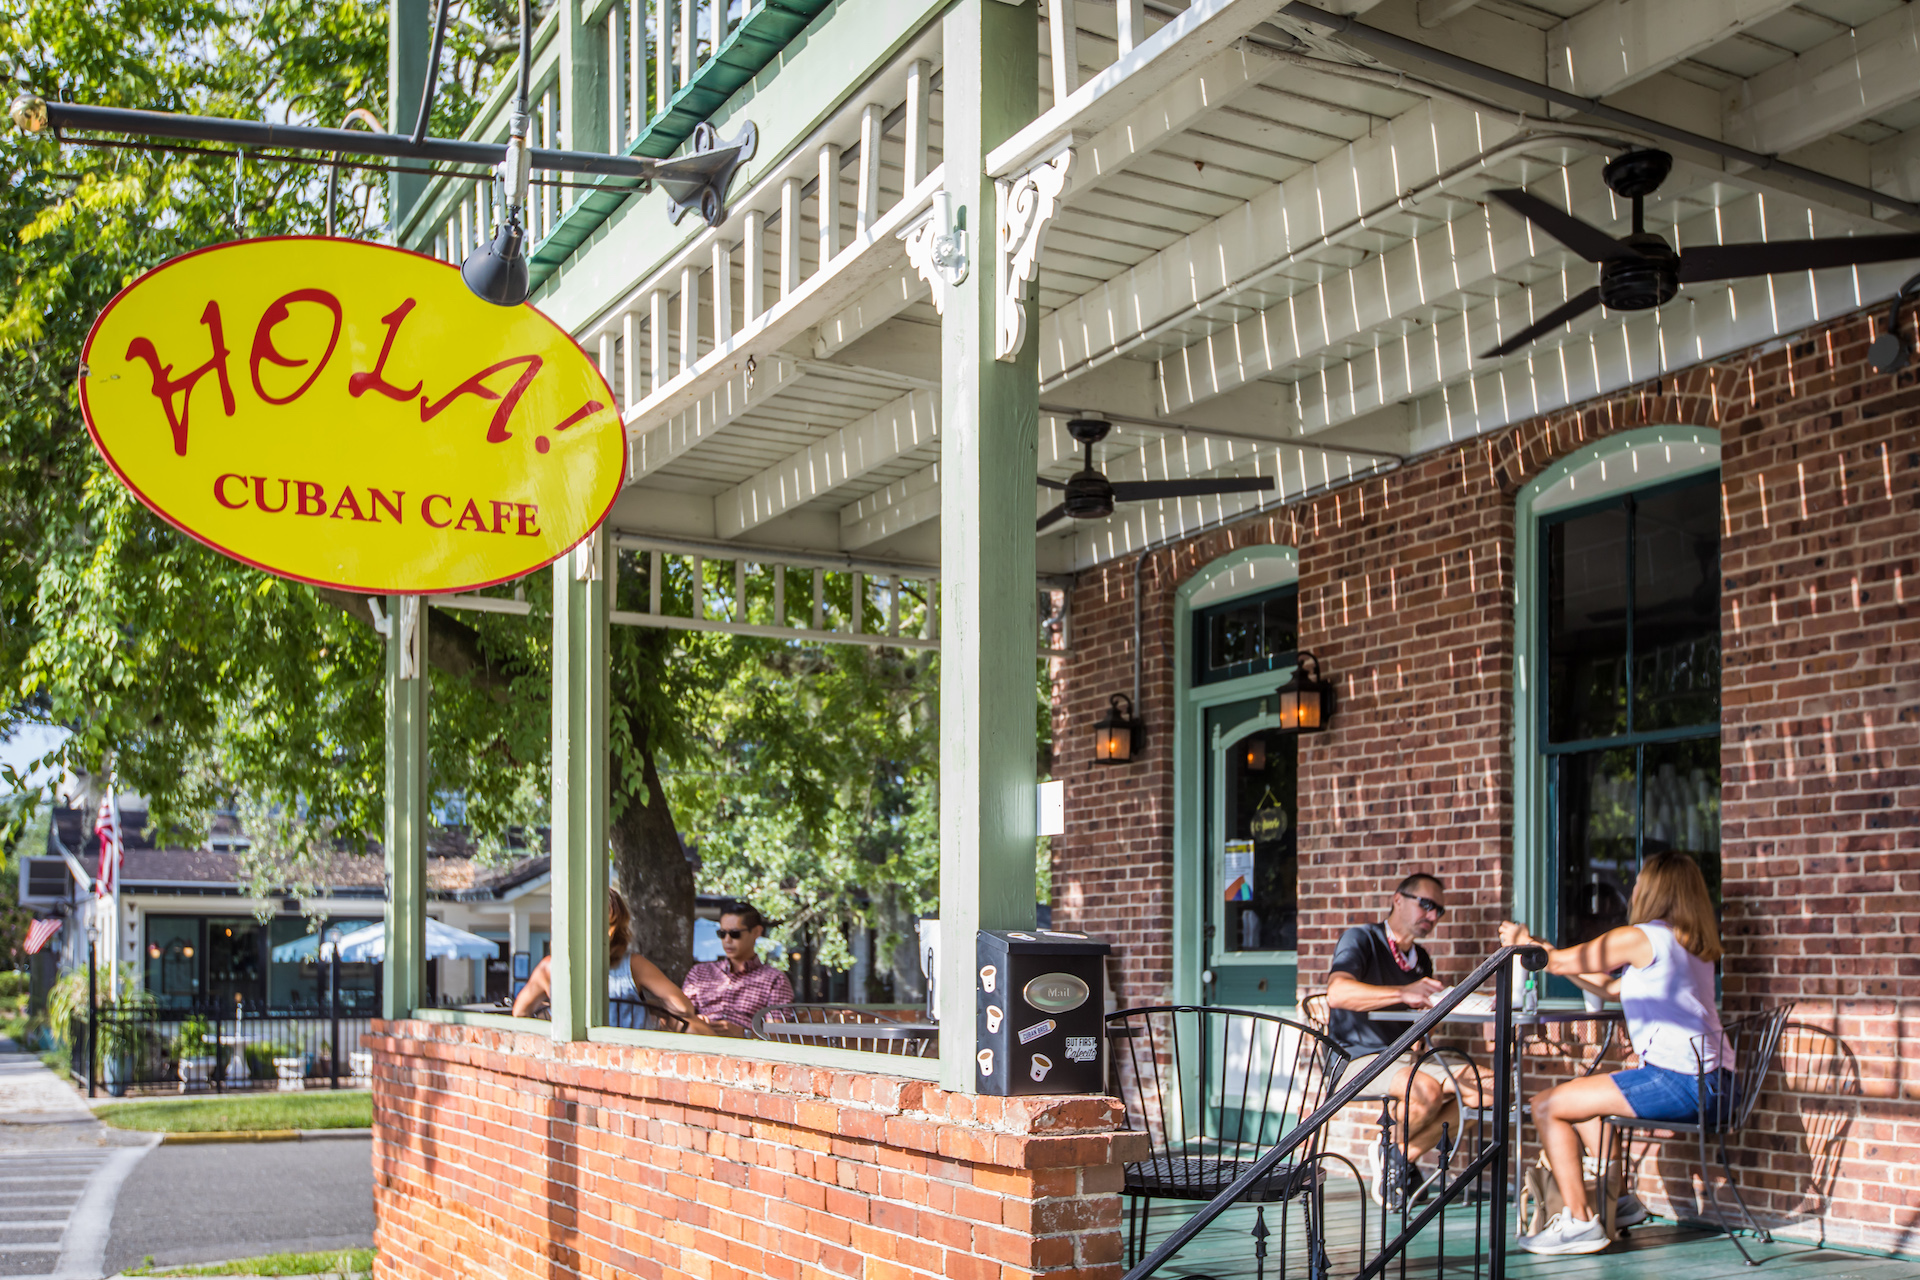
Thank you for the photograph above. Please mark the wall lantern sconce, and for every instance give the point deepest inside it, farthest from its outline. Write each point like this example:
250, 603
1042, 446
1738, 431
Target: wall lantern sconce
1257, 753
1118, 735
1306, 700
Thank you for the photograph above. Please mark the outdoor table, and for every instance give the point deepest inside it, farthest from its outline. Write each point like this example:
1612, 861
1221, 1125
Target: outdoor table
1537, 1021
913, 1036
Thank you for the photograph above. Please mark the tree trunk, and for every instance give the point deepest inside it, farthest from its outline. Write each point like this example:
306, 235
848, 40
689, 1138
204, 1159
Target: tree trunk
651, 869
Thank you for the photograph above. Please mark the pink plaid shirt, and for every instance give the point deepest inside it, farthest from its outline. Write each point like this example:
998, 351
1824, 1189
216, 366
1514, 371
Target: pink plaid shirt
718, 992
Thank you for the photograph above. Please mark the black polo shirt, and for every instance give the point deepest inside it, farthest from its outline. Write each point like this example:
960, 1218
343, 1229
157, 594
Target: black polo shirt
1366, 955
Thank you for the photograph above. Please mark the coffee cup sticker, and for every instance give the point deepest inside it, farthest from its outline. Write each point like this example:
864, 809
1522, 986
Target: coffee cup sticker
1041, 1065
988, 976
1038, 1029
993, 1017
986, 1062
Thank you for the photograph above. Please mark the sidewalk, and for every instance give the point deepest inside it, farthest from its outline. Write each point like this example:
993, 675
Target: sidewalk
32, 1095
61, 1171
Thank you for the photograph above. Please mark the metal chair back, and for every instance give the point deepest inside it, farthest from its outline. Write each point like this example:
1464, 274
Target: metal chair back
1753, 1041
1213, 1089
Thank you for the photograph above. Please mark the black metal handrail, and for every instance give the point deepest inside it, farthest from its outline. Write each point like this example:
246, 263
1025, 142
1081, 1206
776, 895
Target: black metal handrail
1491, 1159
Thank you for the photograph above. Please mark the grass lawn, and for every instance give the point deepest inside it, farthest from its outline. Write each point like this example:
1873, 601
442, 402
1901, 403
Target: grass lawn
343, 1262
324, 1109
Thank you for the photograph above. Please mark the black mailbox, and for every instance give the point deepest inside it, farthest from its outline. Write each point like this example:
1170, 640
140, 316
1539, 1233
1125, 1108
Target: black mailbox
1040, 1012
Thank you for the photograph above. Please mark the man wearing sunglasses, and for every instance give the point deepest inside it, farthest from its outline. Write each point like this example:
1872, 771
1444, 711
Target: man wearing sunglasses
1383, 966
729, 991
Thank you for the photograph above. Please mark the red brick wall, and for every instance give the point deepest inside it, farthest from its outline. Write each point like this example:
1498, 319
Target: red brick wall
501, 1156
1406, 597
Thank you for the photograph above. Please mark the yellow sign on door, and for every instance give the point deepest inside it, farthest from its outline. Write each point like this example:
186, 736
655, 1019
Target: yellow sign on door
348, 414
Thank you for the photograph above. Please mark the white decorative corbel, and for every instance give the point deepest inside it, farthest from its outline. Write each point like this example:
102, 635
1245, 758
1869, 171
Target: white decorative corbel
937, 248
409, 639
586, 559
1027, 205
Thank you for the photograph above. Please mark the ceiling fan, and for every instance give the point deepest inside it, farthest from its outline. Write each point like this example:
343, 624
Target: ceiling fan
1640, 270
1089, 495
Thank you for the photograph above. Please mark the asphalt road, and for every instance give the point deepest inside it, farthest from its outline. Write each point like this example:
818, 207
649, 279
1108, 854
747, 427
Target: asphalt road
234, 1200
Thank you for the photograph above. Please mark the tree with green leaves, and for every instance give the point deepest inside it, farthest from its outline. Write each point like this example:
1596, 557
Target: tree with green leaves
799, 776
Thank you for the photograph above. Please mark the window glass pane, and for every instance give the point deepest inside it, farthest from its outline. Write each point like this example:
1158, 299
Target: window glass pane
234, 969
1282, 619
173, 959
1246, 636
1233, 637
1683, 803
1261, 912
1587, 626
1676, 608
1596, 815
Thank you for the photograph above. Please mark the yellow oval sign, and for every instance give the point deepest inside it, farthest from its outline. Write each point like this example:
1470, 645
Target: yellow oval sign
348, 414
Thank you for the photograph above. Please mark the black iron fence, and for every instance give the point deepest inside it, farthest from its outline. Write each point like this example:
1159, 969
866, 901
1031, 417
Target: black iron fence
136, 1048
1455, 1229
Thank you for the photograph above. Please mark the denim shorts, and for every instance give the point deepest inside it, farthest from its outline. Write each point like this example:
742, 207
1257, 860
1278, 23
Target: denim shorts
1656, 1093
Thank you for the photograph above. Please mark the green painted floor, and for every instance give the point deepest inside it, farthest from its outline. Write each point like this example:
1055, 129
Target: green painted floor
1655, 1250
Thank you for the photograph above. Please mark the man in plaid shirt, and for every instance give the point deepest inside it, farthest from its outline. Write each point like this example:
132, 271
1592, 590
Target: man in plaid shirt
729, 991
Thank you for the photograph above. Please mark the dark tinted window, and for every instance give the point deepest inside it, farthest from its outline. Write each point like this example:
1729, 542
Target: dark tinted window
1249, 635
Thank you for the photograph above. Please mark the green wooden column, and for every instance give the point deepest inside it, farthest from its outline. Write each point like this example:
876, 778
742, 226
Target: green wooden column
403, 976
409, 43
583, 82
988, 623
581, 599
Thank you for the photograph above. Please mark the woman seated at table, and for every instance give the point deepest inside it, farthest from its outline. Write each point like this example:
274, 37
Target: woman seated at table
1668, 949
628, 974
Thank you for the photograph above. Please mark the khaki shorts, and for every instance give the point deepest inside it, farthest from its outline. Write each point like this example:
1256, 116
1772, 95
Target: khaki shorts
1441, 1067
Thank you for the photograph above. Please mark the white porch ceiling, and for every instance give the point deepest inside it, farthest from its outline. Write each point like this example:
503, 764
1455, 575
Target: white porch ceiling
1278, 258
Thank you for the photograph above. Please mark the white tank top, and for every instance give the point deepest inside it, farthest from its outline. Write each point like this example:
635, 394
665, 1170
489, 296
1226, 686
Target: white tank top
1669, 1006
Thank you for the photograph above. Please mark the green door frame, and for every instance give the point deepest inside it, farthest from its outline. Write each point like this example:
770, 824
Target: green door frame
1189, 757
1674, 453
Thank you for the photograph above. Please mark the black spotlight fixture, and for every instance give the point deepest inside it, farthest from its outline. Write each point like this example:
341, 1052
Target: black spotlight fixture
497, 270
1889, 352
1117, 735
1306, 700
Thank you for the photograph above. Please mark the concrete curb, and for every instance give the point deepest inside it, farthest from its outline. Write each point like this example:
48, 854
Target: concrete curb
262, 1135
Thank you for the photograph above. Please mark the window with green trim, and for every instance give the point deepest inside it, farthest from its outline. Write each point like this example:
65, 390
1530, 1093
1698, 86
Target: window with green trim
1630, 663
1246, 636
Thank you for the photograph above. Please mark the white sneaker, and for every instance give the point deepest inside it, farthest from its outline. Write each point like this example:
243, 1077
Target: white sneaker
1630, 1210
1567, 1234
1376, 1176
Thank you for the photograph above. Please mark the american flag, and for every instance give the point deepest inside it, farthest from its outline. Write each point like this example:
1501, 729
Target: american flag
107, 827
39, 931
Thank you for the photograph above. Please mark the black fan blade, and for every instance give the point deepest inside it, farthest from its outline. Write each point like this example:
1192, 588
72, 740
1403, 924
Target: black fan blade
1148, 490
1585, 239
1579, 304
1052, 517
1052, 484
1731, 261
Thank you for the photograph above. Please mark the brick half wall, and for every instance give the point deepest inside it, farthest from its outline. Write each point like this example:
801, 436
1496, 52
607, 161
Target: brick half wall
508, 1157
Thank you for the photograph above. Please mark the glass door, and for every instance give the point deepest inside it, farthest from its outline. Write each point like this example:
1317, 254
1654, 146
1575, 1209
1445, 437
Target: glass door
1251, 929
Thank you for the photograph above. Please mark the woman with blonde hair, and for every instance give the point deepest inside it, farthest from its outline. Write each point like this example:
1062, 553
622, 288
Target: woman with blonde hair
1668, 950
628, 974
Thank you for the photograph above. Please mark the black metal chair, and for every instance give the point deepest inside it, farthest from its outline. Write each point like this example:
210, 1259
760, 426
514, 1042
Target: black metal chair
1752, 1041
1213, 1089
849, 1027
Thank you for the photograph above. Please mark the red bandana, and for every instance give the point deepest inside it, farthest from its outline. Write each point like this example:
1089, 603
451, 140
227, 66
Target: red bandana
1407, 963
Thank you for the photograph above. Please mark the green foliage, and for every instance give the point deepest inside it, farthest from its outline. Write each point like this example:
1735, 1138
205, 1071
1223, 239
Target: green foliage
195, 1039
14, 984
204, 679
